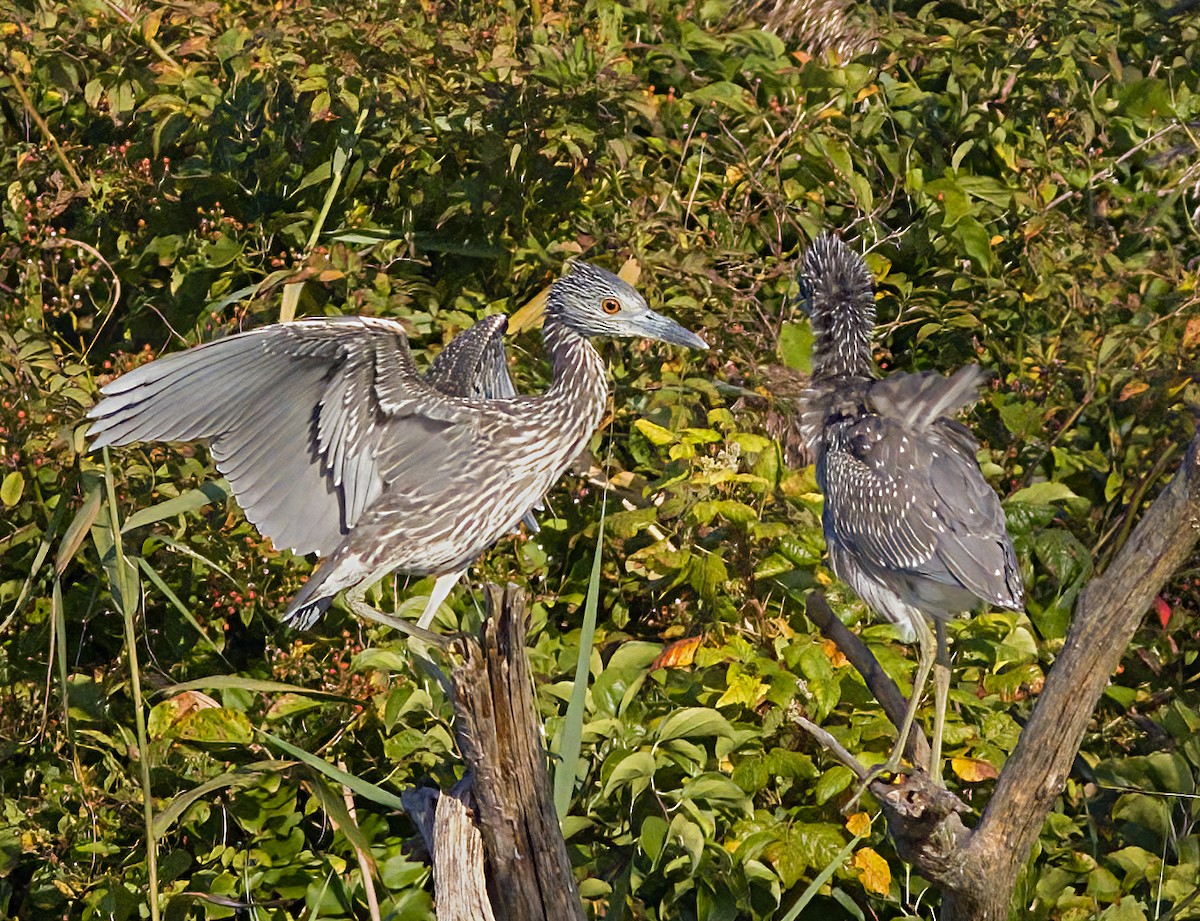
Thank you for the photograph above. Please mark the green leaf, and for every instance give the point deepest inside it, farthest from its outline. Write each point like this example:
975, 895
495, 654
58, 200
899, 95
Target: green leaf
803, 845
832, 782
694, 723
208, 494
717, 790
1043, 493
634, 770
653, 836
11, 488
218, 725
795, 345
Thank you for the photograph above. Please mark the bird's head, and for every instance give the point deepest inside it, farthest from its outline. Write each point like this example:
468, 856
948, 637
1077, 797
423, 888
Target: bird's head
595, 302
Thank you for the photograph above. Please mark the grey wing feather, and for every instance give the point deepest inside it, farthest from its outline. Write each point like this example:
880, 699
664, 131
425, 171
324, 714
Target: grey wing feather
290, 428
920, 400
475, 365
912, 506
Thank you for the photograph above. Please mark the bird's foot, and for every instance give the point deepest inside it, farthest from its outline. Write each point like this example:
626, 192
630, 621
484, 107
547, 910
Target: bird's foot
873, 774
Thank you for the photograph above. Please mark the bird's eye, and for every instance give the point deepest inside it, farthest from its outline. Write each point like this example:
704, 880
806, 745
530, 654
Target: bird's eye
610, 305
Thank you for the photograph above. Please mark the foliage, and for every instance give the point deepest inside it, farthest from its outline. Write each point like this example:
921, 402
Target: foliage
1028, 175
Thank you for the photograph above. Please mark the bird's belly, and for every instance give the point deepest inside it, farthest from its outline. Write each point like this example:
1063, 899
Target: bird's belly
452, 532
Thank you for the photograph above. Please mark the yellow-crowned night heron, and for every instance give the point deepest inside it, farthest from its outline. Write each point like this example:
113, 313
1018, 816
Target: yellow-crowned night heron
334, 444
910, 523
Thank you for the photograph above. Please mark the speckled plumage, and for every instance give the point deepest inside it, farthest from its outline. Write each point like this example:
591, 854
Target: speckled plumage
333, 443
910, 522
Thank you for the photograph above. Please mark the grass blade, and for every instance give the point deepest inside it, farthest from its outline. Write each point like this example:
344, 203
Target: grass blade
362, 787
124, 591
210, 493
161, 585
821, 879
572, 732
258, 685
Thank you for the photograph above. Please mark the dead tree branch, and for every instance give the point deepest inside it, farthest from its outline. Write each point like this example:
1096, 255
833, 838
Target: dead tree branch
528, 869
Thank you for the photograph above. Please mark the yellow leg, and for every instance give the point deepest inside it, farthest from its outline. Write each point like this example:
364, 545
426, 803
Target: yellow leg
926, 647
941, 692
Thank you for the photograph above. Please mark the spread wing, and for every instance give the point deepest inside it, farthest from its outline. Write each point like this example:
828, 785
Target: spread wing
307, 420
907, 496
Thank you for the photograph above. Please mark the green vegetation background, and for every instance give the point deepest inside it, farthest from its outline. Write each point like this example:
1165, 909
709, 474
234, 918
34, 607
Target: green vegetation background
1030, 173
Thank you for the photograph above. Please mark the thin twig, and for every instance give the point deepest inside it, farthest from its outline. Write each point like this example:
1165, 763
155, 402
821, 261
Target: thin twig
45, 129
833, 746
1112, 167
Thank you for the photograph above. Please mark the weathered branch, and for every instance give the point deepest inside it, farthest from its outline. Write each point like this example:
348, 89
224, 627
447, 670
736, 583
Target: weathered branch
455, 850
977, 870
1106, 616
877, 680
529, 870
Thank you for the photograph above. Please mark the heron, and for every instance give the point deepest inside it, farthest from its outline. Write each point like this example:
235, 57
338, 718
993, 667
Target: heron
910, 523
333, 443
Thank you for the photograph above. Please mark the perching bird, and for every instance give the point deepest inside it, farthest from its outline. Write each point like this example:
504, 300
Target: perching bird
334, 444
910, 523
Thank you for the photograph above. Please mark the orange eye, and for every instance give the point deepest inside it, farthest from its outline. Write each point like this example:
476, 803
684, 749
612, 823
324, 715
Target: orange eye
610, 305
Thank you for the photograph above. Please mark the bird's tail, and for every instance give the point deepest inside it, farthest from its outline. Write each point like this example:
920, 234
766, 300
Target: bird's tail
919, 400
310, 602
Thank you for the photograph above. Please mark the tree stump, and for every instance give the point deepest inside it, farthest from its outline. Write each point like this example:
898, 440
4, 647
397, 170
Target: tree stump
526, 867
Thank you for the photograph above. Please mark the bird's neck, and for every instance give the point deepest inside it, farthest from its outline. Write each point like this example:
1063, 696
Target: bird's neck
578, 370
842, 340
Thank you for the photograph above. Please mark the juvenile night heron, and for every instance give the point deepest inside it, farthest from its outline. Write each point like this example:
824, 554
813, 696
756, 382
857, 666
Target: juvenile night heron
334, 444
910, 523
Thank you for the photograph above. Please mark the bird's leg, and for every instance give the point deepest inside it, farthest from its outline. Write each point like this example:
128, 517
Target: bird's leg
926, 648
356, 601
941, 691
419, 638
442, 586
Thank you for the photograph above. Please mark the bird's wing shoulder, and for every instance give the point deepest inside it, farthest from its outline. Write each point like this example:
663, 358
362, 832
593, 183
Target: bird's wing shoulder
297, 414
475, 364
918, 401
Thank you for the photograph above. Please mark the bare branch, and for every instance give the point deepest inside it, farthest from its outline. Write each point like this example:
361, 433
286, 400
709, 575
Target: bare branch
894, 703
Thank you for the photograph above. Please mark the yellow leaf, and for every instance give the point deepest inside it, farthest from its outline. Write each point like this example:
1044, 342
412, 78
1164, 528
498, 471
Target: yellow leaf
973, 770
679, 654
531, 315
655, 434
876, 875
1132, 389
866, 92
823, 579
835, 655
733, 175
996, 240
12, 488
858, 824
630, 271
151, 23
742, 689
